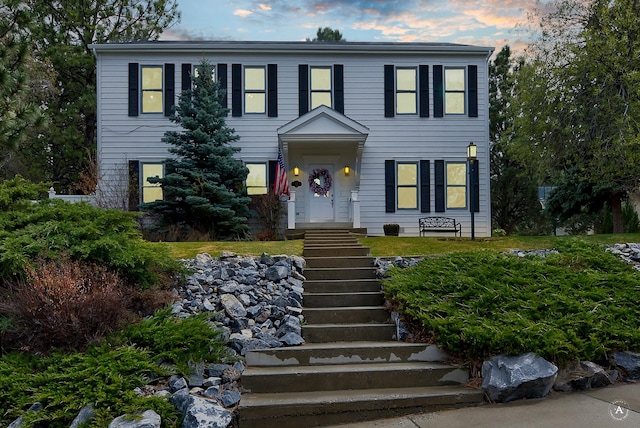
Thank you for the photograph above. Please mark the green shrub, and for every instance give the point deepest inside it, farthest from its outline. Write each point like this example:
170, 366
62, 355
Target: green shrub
579, 304
54, 229
178, 341
104, 377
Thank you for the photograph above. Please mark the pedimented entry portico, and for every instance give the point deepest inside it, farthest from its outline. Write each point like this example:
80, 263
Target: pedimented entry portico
331, 144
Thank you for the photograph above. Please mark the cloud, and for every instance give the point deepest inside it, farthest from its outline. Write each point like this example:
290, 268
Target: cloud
264, 7
242, 13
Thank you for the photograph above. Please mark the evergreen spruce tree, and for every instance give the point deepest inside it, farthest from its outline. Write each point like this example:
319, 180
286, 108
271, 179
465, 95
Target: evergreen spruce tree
204, 185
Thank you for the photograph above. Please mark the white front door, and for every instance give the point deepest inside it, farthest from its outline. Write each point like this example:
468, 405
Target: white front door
321, 202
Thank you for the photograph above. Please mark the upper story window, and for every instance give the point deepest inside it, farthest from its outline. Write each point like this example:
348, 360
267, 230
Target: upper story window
406, 91
151, 89
456, 192
454, 91
255, 93
257, 179
407, 185
151, 191
320, 86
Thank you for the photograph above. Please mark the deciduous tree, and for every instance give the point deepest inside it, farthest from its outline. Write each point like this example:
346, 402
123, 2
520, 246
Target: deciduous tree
578, 119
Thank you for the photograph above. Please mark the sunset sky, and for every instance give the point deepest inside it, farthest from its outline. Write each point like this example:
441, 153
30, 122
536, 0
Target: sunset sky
482, 22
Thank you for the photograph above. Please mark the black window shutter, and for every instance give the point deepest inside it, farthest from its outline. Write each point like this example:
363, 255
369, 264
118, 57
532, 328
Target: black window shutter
423, 78
272, 90
134, 185
236, 90
134, 95
169, 88
438, 92
439, 176
389, 90
390, 186
303, 89
425, 186
472, 77
222, 79
338, 86
272, 174
475, 188
186, 77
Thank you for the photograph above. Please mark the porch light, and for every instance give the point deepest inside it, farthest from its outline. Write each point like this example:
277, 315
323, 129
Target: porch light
472, 152
347, 170
296, 171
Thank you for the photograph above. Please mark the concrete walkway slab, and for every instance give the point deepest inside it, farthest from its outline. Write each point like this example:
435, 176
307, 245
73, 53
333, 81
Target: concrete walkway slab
616, 407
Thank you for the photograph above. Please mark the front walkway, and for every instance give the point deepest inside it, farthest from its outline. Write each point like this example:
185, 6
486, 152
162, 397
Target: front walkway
597, 408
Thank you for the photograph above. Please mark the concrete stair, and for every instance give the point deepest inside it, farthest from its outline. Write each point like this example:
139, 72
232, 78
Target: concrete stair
350, 368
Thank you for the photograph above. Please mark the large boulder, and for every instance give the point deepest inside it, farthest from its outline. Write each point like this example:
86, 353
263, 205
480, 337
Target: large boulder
508, 378
582, 375
629, 362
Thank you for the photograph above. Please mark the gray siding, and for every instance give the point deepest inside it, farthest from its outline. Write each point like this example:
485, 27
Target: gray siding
122, 138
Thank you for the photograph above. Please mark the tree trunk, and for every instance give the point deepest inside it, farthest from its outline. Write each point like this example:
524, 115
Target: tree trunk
616, 212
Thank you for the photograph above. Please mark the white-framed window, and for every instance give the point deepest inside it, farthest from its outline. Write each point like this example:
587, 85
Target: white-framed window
456, 192
454, 90
257, 179
320, 87
151, 88
406, 91
255, 90
407, 185
151, 191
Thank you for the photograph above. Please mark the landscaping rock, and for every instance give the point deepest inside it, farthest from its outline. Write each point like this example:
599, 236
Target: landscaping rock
86, 414
200, 412
629, 363
507, 378
583, 375
232, 306
19, 422
149, 419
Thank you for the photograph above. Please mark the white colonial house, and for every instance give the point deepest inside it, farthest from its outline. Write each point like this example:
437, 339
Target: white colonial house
388, 123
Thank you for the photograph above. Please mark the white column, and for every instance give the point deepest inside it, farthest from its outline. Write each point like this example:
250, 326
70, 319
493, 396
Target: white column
356, 208
291, 210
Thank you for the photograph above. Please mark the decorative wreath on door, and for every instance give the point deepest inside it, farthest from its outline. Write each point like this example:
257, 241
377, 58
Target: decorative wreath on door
322, 175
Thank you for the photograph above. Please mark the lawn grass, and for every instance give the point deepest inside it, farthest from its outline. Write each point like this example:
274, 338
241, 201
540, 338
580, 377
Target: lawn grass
580, 304
187, 250
389, 246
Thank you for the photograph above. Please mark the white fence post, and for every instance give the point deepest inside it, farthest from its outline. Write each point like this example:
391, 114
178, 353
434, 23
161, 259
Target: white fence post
356, 208
291, 211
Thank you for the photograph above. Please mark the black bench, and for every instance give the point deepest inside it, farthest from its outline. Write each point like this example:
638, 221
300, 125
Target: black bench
439, 224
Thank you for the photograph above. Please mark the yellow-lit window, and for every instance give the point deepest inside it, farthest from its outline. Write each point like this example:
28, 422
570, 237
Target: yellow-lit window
151, 89
456, 185
255, 90
407, 185
406, 95
257, 179
454, 88
320, 87
151, 191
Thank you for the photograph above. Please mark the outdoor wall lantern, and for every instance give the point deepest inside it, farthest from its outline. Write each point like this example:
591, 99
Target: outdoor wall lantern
296, 171
347, 170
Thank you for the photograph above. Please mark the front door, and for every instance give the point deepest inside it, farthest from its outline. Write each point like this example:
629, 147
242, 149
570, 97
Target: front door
322, 199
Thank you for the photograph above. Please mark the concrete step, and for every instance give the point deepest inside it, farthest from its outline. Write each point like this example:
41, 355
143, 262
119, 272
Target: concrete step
330, 244
339, 262
325, 300
342, 273
345, 353
321, 408
346, 315
322, 333
354, 250
341, 286
337, 377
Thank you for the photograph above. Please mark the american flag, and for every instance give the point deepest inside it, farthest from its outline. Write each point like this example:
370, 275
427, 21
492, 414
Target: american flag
281, 184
